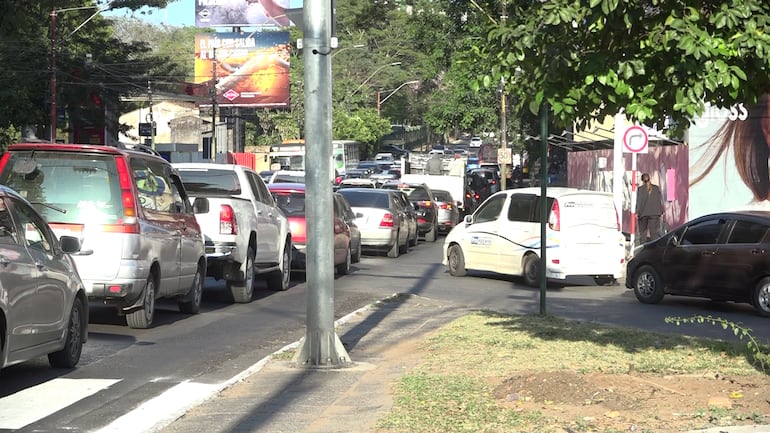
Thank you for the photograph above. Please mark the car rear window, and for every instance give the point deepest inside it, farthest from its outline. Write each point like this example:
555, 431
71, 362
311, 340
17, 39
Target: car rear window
210, 182
366, 199
291, 203
67, 187
578, 209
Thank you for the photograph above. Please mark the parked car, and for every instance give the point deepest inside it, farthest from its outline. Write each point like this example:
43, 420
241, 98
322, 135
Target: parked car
290, 197
448, 210
247, 235
583, 236
722, 257
476, 141
421, 197
139, 237
411, 220
350, 219
43, 303
382, 221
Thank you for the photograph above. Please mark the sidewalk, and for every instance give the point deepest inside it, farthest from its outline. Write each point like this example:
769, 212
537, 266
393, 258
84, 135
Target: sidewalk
380, 340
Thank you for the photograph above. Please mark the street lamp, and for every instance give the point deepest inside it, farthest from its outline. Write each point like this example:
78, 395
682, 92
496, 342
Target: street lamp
54, 13
372, 75
380, 101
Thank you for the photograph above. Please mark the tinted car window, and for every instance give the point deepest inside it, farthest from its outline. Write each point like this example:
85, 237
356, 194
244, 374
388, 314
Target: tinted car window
83, 185
490, 210
703, 232
522, 207
291, 203
210, 182
746, 232
364, 199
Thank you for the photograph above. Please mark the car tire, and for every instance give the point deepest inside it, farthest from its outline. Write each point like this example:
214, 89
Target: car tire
456, 261
761, 297
357, 255
191, 302
395, 249
648, 286
69, 355
414, 239
344, 267
243, 290
405, 247
142, 318
431, 235
279, 280
531, 270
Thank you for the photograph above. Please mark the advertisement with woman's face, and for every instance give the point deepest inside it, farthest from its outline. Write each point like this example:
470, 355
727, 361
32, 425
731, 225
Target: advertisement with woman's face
728, 153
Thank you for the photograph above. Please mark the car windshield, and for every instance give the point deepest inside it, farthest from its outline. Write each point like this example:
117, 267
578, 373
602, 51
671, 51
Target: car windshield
210, 182
78, 187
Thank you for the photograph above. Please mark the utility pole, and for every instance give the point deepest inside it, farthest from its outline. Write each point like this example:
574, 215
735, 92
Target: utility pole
503, 120
214, 107
53, 76
321, 347
150, 117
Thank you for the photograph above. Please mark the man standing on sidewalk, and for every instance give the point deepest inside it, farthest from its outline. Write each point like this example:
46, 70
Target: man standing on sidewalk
649, 208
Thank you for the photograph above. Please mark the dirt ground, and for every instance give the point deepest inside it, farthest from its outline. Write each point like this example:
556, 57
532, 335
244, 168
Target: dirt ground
638, 402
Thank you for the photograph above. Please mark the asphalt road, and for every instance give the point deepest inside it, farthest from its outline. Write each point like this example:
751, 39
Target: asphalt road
121, 367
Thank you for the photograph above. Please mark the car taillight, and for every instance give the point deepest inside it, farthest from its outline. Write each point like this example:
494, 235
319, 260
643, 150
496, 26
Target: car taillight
426, 203
4, 161
130, 223
387, 220
554, 218
445, 206
227, 223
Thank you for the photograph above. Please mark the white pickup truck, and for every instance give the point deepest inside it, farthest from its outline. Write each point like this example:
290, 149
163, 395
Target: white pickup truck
245, 232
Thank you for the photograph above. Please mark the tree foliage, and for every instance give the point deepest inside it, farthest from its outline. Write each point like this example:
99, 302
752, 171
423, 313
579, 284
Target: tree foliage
655, 60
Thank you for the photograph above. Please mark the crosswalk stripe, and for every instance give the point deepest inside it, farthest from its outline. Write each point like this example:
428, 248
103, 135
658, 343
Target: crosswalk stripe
29, 405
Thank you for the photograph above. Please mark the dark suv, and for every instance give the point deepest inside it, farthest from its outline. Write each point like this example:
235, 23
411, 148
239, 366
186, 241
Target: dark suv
139, 237
422, 198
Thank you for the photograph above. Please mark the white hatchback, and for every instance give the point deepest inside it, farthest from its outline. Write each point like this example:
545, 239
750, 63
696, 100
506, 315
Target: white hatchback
503, 235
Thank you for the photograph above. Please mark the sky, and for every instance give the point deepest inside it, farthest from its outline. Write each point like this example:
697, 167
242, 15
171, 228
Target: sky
178, 13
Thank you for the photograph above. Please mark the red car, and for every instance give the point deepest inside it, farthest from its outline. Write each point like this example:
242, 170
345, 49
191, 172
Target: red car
290, 197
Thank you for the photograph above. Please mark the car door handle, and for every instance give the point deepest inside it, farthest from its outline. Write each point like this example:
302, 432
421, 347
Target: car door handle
40, 266
4, 261
757, 251
708, 253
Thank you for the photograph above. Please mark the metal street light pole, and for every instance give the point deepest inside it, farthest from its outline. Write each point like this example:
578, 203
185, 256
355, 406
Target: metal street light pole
380, 101
372, 75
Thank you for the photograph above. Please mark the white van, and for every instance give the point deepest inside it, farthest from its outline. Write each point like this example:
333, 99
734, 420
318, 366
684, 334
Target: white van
503, 235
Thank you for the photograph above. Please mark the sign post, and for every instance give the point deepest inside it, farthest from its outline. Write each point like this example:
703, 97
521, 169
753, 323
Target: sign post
635, 140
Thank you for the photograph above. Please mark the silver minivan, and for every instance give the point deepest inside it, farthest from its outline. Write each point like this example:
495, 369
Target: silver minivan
129, 209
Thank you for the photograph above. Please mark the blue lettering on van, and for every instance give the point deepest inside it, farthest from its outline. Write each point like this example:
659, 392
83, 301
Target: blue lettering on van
476, 240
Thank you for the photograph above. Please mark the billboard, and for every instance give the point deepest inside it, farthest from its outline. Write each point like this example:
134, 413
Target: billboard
244, 13
729, 159
251, 70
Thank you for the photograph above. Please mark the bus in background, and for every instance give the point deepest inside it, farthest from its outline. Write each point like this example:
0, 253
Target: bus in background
290, 155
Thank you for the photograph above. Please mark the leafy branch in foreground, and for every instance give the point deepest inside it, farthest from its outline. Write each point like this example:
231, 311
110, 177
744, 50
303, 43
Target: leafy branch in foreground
758, 354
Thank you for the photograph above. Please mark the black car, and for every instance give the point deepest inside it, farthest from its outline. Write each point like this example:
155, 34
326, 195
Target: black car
421, 196
723, 257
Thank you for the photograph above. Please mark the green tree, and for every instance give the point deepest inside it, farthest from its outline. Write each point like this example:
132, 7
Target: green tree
655, 60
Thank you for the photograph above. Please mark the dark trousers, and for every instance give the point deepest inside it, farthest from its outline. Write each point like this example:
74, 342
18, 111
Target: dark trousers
649, 227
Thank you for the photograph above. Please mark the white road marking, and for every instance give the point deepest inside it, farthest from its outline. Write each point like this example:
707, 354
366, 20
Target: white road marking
29, 405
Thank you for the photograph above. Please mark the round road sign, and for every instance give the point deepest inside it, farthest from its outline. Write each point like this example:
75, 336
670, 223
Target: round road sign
635, 140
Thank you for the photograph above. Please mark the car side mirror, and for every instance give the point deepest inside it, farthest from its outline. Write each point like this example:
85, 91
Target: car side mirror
201, 205
675, 240
468, 219
69, 244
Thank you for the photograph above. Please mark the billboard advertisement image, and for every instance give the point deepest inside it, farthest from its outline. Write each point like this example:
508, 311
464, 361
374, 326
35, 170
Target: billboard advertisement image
244, 13
250, 70
729, 159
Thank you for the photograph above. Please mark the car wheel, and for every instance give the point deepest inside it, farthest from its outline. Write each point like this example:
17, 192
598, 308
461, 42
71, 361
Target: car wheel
413, 240
142, 318
396, 248
69, 355
357, 255
761, 297
405, 247
431, 235
648, 286
456, 261
191, 303
531, 267
279, 280
344, 268
243, 290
